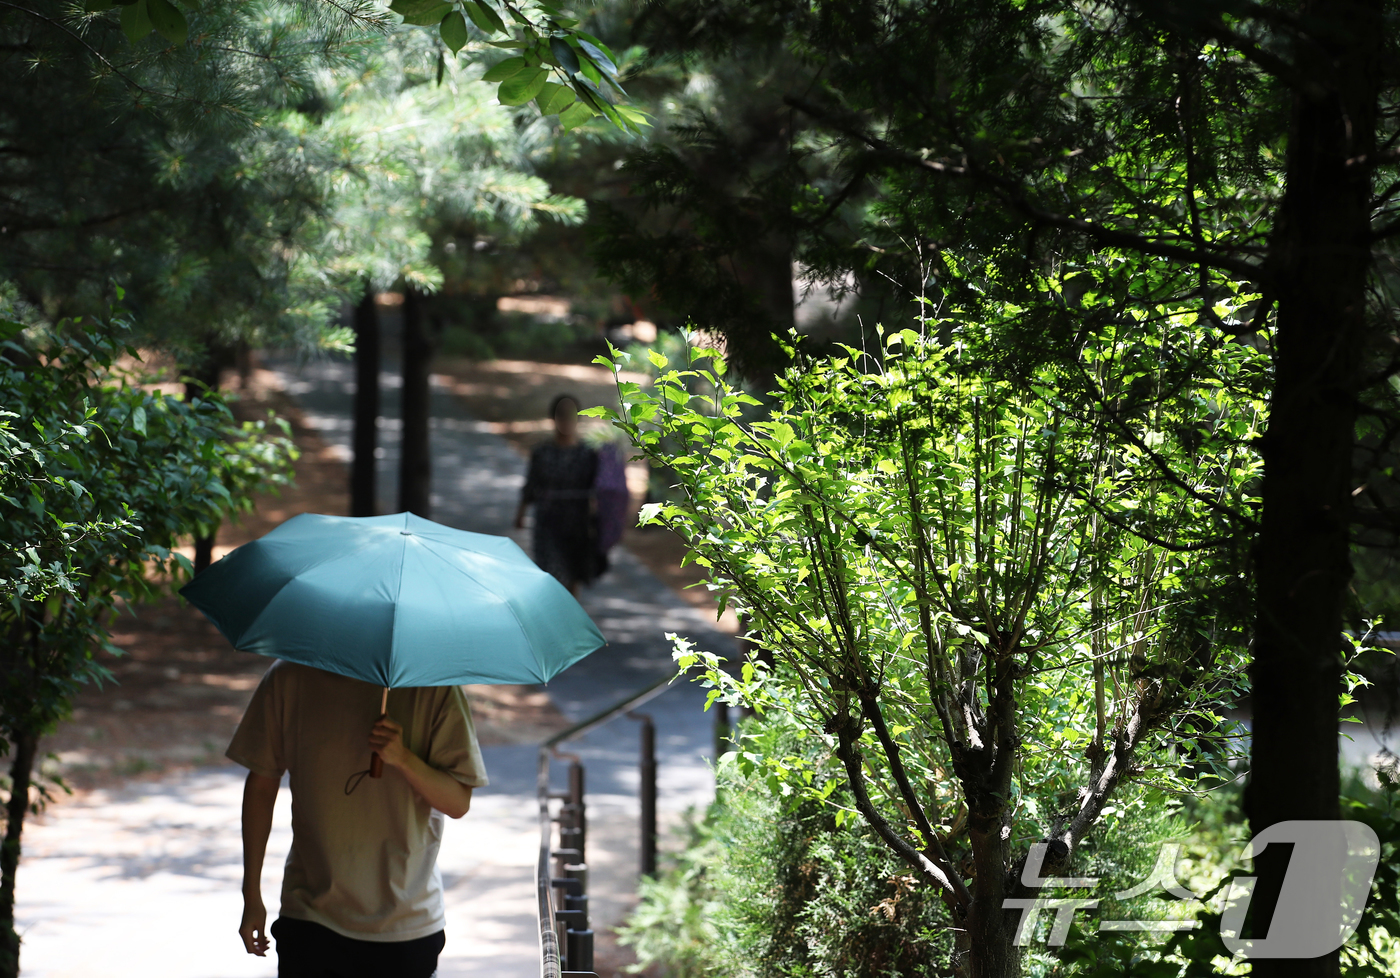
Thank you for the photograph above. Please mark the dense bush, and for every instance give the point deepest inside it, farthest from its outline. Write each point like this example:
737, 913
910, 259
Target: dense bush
770, 886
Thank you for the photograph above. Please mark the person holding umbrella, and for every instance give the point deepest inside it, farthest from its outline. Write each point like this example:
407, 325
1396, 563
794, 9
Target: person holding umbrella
361, 893
377, 622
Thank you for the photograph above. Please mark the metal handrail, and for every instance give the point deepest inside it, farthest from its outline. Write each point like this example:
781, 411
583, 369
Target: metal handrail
549, 939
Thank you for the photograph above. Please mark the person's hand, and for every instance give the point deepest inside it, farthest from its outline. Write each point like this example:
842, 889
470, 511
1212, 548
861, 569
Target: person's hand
253, 930
386, 738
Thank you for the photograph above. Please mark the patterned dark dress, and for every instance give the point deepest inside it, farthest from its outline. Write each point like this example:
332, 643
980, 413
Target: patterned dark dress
560, 485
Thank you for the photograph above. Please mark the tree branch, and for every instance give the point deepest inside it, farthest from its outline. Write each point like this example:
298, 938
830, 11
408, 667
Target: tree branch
1014, 195
945, 877
1217, 30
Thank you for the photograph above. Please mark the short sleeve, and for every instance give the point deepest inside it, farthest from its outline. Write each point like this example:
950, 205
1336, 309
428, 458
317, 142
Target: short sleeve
258, 743
452, 746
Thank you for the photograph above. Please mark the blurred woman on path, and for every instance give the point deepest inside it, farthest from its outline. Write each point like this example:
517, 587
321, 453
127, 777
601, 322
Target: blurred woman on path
560, 485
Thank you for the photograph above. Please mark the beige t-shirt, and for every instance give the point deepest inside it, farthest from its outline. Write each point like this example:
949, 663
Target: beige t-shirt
364, 864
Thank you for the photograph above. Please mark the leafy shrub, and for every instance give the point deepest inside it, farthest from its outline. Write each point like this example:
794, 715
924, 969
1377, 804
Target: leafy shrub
769, 885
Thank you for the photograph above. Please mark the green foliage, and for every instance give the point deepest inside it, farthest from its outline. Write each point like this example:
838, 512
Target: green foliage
769, 886
102, 479
1218, 836
412, 157
940, 555
178, 172
550, 45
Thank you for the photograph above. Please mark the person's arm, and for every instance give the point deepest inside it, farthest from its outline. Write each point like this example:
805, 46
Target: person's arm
527, 492
259, 797
437, 788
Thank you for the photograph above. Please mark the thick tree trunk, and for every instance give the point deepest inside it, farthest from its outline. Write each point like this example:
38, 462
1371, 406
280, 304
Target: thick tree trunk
415, 460
24, 749
365, 437
990, 927
1322, 258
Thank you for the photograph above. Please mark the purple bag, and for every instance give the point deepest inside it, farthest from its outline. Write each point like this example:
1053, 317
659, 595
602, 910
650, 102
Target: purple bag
610, 489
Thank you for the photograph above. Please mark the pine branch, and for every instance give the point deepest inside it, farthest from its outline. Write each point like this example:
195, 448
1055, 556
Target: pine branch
1015, 196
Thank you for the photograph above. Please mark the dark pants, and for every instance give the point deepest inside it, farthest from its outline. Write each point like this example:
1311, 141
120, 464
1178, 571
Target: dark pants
307, 950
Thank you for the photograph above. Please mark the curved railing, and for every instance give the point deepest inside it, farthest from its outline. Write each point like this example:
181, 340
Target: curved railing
577, 945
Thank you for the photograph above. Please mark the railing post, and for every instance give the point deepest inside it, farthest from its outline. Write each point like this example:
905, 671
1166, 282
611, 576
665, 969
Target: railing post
722, 729
580, 819
648, 795
578, 941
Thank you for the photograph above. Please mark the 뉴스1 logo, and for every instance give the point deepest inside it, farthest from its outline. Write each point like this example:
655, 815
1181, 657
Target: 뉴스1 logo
1324, 891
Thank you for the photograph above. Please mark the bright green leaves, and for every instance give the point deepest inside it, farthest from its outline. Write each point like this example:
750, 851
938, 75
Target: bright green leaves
522, 86
563, 70
554, 99
895, 519
575, 115
140, 18
504, 70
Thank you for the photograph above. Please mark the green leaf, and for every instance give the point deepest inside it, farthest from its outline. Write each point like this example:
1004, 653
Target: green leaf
591, 93
138, 419
576, 115
428, 18
506, 69
635, 116
598, 57
508, 44
554, 99
454, 31
521, 87
564, 54
484, 17
412, 8
168, 20
136, 22
596, 41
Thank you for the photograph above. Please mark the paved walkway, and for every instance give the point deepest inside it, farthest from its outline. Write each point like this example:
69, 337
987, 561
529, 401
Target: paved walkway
144, 880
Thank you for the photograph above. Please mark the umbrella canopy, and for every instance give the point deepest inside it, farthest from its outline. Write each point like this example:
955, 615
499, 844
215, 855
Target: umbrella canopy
396, 601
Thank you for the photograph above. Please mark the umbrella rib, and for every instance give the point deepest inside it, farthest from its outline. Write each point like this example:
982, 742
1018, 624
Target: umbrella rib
394, 610
509, 607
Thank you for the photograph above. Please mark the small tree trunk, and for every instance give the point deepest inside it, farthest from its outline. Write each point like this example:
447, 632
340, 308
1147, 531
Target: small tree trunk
415, 460
25, 748
365, 438
203, 379
1303, 559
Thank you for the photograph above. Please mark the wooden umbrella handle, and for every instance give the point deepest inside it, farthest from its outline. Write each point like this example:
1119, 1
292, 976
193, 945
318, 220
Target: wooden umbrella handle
376, 763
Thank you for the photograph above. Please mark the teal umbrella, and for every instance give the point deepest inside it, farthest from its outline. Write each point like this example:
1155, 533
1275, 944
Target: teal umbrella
395, 601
